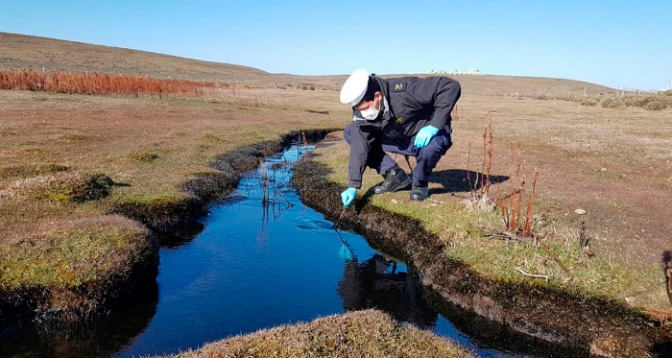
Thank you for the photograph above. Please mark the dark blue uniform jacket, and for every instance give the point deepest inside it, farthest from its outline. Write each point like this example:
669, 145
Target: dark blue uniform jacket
412, 103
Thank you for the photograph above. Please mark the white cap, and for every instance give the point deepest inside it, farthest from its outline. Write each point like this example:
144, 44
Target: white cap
355, 87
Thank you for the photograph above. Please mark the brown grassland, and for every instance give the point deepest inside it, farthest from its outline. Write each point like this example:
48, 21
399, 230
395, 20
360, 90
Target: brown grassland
69, 160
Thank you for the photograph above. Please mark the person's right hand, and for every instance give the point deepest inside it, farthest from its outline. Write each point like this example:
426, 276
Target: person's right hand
348, 196
425, 134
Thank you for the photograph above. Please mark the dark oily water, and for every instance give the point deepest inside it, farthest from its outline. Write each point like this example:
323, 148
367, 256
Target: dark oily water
262, 260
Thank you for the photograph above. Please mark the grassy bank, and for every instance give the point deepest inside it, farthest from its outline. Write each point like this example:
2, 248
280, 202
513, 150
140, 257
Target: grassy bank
358, 334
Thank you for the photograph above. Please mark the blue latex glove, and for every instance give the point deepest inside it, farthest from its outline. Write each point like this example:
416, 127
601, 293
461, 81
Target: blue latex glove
345, 252
424, 136
348, 196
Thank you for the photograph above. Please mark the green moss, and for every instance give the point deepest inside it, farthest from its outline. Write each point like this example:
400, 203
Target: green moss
143, 157
207, 137
70, 257
60, 197
29, 170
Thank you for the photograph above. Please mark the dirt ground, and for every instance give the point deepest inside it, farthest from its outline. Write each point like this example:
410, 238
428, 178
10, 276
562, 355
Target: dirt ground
616, 164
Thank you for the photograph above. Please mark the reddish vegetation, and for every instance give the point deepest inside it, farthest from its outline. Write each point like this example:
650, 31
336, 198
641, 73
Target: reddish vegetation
98, 83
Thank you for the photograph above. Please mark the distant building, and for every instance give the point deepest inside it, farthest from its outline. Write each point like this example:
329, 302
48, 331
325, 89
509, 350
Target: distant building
471, 71
668, 87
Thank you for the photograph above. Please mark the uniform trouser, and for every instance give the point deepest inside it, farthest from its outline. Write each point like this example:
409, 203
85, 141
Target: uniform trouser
426, 158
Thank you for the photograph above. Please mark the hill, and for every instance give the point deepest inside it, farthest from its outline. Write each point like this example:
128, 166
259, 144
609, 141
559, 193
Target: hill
21, 51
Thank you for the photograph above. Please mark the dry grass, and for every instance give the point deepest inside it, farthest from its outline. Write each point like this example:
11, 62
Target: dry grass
357, 334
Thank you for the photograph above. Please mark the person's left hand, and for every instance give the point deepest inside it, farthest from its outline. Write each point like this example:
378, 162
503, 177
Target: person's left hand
423, 137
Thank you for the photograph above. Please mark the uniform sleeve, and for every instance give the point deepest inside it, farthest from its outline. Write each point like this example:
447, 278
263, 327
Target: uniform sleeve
362, 137
441, 92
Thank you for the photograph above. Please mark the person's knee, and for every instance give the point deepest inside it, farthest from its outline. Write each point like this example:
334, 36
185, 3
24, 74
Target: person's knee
444, 141
438, 146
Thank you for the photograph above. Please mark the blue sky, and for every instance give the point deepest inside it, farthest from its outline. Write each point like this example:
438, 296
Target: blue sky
614, 43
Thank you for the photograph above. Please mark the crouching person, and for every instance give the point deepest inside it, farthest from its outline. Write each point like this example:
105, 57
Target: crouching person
408, 116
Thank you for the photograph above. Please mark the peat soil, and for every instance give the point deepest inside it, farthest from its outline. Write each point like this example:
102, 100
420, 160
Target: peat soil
588, 325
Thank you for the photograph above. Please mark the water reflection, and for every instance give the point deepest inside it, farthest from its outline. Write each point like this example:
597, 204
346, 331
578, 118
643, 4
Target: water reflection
99, 337
377, 283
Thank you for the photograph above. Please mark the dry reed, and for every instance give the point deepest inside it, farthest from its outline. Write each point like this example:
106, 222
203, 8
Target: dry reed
99, 84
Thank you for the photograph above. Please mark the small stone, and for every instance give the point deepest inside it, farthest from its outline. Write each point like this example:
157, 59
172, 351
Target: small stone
580, 211
603, 169
394, 201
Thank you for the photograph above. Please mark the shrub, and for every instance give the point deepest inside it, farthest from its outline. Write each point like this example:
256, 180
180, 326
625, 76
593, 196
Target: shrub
612, 102
143, 157
589, 102
655, 106
650, 102
65, 186
94, 187
636, 101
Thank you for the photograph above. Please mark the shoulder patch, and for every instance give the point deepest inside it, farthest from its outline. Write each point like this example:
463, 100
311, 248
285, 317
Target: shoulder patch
400, 86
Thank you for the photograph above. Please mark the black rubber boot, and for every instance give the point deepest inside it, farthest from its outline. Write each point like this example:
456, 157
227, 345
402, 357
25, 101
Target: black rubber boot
419, 193
395, 179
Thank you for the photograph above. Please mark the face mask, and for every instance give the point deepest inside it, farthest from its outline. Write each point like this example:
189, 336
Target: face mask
371, 112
